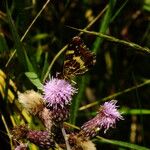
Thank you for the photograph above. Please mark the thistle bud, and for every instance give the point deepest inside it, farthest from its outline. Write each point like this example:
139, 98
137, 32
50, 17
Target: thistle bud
41, 138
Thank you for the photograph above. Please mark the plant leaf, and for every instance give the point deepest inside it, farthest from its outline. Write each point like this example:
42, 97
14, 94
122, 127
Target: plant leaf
32, 76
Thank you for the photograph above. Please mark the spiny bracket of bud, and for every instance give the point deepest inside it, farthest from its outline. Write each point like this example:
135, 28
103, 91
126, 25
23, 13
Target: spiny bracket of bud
41, 138
19, 132
60, 115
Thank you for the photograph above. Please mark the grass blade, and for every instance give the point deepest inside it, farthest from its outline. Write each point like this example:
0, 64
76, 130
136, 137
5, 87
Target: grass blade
122, 144
34, 79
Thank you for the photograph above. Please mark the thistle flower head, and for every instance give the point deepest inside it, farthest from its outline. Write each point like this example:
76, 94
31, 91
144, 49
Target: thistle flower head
31, 101
106, 118
108, 115
58, 92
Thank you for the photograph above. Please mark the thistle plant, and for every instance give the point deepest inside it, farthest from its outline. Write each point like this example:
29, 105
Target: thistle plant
57, 95
52, 107
37, 108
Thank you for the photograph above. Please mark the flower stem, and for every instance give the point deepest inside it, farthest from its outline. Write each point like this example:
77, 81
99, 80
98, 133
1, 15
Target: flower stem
66, 139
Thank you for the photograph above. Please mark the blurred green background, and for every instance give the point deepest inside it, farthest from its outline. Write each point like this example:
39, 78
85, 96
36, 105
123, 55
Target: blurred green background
121, 72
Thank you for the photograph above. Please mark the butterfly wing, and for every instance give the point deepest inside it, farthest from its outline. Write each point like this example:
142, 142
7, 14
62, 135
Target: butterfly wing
78, 58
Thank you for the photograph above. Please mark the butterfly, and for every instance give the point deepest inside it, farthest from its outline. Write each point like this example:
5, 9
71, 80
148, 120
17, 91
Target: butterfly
78, 59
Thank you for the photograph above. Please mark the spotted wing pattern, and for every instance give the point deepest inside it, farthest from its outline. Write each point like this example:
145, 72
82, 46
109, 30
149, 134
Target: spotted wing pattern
78, 58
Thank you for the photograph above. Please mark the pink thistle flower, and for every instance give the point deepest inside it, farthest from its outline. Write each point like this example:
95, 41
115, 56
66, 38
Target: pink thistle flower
106, 118
58, 92
108, 115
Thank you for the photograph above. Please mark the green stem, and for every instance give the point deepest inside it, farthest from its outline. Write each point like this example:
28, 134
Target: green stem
24, 35
55, 58
77, 101
114, 142
113, 39
115, 95
7, 129
122, 144
104, 25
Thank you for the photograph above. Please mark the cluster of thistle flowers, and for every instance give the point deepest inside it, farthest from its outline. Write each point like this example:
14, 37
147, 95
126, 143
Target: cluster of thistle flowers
52, 108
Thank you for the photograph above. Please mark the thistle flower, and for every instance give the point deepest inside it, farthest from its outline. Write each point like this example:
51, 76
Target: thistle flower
58, 92
106, 118
31, 101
